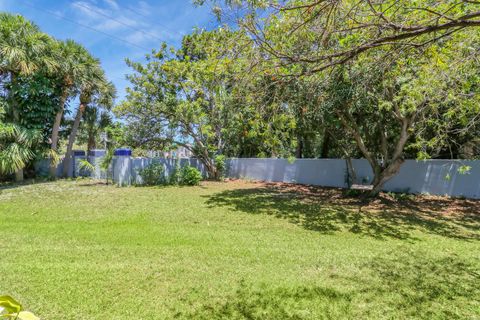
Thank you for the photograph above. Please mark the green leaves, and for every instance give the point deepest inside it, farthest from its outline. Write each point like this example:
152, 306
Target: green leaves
16, 145
24, 49
12, 309
186, 98
85, 165
10, 305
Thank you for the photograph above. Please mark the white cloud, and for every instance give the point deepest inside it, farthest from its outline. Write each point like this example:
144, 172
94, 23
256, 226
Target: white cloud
104, 19
112, 4
132, 24
137, 37
144, 8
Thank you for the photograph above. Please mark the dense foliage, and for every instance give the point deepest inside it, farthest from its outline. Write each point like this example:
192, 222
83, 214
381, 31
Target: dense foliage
190, 176
38, 77
155, 175
384, 80
192, 98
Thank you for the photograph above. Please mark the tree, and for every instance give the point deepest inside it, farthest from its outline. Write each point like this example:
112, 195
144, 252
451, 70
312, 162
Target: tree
94, 122
94, 88
73, 71
399, 76
183, 99
410, 106
16, 144
24, 50
196, 98
319, 34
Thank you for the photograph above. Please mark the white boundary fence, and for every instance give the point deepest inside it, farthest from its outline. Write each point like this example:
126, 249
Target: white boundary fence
124, 169
435, 177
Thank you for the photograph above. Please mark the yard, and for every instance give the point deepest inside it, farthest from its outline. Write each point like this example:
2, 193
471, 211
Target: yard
83, 250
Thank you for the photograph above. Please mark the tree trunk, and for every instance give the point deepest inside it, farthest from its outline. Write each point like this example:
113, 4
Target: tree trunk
92, 144
325, 145
55, 133
19, 175
210, 166
352, 175
16, 118
299, 151
381, 172
71, 139
382, 176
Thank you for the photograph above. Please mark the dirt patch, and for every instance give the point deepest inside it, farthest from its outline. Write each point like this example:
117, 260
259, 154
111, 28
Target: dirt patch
446, 206
329, 210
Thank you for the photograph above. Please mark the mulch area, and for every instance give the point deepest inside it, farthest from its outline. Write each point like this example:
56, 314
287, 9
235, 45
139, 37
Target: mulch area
445, 206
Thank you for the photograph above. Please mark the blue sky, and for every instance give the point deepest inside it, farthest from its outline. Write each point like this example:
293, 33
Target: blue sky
125, 28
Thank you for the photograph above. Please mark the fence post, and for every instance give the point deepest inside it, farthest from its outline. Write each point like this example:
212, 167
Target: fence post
122, 167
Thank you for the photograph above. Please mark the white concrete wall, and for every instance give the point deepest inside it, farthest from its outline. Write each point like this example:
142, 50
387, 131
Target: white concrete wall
325, 172
436, 177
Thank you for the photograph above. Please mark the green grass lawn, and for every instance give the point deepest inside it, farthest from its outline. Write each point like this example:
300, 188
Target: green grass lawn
78, 250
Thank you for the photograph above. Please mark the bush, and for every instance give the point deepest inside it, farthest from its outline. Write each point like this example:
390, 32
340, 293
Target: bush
190, 176
175, 174
220, 165
153, 174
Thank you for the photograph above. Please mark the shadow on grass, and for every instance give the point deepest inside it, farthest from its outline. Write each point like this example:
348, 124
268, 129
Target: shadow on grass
301, 302
416, 285
397, 285
329, 210
27, 182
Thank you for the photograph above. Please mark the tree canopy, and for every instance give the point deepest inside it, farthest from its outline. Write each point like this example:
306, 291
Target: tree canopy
39, 75
400, 78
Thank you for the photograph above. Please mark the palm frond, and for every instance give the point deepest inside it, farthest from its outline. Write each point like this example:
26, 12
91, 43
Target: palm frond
84, 164
16, 147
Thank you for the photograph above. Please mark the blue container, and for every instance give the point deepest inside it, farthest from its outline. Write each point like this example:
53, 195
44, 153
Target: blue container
123, 152
78, 153
97, 153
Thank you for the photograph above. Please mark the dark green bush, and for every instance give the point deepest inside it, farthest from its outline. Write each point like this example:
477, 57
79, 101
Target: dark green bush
190, 176
153, 174
175, 177
221, 166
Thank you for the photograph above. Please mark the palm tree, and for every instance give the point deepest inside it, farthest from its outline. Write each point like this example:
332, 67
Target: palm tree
95, 88
24, 49
15, 147
72, 72
94, 122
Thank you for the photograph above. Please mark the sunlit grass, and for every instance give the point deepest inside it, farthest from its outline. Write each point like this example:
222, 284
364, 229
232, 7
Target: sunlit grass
79, 250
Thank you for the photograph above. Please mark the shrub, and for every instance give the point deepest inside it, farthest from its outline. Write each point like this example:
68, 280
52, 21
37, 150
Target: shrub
153, 174
190, 176
175, 175
221, 166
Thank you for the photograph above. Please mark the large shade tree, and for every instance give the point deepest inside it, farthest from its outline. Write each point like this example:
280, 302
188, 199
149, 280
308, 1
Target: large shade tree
195, 98
183, 98
398, 76
319, 34
407, 108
